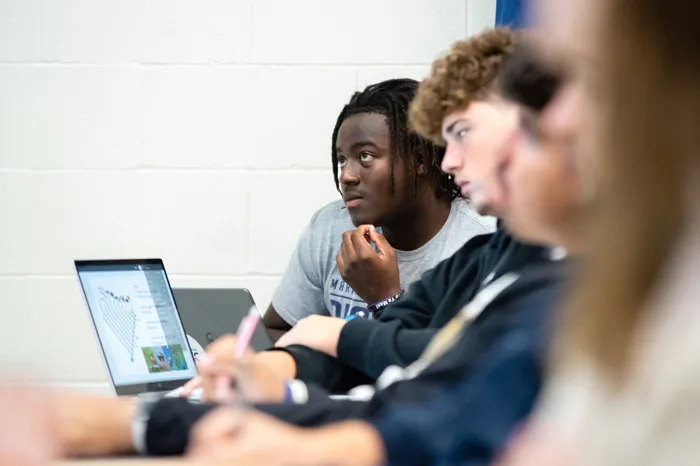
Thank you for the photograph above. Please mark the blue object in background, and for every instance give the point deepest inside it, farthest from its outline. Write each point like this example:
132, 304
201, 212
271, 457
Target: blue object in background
511, 13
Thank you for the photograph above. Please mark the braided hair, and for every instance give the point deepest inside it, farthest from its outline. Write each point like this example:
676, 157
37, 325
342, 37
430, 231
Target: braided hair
392, 99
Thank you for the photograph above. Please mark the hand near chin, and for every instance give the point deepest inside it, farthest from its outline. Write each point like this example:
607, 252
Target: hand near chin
374, 276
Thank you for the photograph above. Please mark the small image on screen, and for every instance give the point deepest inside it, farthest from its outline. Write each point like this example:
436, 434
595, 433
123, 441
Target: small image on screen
164, 358
137, 323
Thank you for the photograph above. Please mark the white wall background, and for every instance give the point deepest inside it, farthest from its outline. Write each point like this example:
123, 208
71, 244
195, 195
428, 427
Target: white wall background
195, 131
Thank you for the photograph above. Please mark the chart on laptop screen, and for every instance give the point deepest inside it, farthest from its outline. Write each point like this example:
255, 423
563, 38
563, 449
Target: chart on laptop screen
137, 323
120, 317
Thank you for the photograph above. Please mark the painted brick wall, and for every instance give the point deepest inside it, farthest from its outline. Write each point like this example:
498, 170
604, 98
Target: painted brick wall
195, 131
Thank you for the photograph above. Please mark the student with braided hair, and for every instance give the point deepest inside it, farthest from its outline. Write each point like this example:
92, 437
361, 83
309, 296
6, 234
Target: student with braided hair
388, 172
399, 216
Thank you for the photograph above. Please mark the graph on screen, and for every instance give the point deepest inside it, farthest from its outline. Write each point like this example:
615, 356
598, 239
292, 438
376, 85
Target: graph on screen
119, 315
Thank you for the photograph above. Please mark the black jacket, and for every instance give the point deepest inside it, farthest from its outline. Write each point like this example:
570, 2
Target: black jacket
367, 347
524, 305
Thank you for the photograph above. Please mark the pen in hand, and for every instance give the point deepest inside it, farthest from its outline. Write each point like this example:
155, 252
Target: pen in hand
244, 336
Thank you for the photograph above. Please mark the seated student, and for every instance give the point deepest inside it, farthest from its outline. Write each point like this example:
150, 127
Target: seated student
514, 302
390, 181
338, 354
467, 422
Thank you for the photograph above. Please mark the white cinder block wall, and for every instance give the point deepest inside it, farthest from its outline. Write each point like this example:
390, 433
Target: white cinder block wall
195, 131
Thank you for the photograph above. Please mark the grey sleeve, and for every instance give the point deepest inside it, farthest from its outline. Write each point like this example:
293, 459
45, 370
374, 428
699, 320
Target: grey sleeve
300, 292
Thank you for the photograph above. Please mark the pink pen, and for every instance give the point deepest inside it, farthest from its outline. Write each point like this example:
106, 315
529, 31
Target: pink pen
245, 334
245, 331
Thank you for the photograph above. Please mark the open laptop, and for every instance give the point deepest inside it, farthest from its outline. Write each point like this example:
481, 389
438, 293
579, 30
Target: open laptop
208, 313
137, 324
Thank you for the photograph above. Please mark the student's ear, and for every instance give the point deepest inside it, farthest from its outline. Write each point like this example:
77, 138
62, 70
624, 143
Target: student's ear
420, 169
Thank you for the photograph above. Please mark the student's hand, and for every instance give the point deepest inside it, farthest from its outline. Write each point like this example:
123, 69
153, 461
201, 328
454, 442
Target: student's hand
27, 431
256, 381
93, 426
535, 446
318, 332
278, 362
245, 437
373, 275
228, 436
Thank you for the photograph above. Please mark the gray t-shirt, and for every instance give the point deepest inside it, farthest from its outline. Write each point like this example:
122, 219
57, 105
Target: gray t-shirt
312, 283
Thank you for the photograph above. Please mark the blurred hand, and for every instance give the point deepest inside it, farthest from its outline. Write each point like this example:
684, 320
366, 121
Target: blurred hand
93, 426
535, 446
220, 368
373, 275
27, 434
318, 332
248, 437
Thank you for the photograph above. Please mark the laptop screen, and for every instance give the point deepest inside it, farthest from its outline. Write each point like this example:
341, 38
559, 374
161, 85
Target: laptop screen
136, 321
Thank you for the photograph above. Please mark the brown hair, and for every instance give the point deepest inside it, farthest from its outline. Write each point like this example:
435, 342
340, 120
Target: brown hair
650, 71
467, 72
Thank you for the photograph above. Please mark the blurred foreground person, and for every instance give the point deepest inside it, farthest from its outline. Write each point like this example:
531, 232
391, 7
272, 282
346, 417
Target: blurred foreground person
625, 388
27, 435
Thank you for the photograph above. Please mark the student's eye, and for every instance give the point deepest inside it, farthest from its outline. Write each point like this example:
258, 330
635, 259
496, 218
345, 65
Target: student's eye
366, 157
341, 161
461, 133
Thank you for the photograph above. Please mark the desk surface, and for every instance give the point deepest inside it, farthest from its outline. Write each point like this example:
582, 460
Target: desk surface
122, 462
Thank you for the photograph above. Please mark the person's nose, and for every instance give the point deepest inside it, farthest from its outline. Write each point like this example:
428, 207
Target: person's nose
452, 161
349, 174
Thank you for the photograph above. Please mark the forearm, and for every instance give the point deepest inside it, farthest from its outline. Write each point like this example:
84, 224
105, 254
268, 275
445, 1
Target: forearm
350, 443
312, 366
93, 426
281, 362
319, 410
275, 324
169, 425
276, 333
371, 346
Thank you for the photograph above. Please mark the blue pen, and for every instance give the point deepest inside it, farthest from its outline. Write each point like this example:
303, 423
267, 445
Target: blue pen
350, 317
